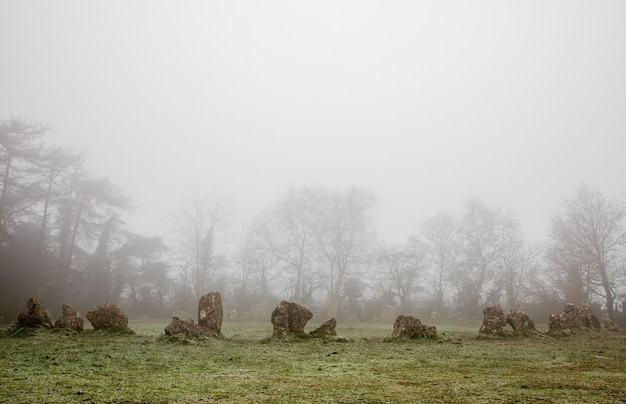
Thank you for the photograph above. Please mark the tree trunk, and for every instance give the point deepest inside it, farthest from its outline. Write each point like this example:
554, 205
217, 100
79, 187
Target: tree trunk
332, 305
610, 299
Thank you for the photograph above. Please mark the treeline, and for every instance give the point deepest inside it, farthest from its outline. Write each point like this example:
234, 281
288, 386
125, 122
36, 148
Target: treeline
62, 232
320, 246
63, 239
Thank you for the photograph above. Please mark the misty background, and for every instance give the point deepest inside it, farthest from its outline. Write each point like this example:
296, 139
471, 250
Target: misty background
239, 107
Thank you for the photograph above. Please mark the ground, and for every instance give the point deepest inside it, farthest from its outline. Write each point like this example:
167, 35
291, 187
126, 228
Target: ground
247, 366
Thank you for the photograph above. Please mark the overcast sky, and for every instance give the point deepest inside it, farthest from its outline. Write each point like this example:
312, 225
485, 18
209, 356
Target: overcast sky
425, 103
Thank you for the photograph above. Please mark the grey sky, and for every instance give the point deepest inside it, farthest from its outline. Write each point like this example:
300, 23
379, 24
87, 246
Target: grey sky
427, 104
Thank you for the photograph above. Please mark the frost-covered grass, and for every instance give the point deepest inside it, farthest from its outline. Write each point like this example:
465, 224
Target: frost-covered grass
247, 366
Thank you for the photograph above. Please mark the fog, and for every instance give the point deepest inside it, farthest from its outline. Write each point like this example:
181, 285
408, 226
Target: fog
426, 104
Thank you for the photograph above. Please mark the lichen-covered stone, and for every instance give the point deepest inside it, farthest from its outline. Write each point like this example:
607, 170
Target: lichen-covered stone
188, 327
290, 317
411, 327
493, 320
573, 317
36, 317
108, 317
280, 320
71, 319
211, 312
519, 320
326, 329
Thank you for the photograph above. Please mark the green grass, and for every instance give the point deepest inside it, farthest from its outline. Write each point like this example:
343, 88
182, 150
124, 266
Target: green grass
247, 367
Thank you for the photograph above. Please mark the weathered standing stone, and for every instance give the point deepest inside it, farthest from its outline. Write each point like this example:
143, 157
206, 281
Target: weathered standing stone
211, 312
108, 317
280, 319
326, 329
37, 315
299, 315
290, 317
188, 327
411, 327
519, 320
573, 317
493, 320
71, 319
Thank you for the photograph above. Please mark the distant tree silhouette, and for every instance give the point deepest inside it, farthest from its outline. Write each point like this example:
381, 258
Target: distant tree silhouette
586, 248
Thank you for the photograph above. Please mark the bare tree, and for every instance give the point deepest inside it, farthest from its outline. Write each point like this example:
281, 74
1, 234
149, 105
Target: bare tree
443, 249
516, 271
255, 267
486, 234
346, 234
586, 249
401, 268
199, 226
290, 234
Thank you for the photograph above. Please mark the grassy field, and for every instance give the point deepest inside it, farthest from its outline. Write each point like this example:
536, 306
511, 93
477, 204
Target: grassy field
247, 367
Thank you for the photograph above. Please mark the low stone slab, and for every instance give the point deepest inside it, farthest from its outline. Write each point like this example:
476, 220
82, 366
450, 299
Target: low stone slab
188, 327
411, 327
327, 329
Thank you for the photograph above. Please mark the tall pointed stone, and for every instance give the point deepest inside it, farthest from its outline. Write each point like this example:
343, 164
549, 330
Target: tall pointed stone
211, 312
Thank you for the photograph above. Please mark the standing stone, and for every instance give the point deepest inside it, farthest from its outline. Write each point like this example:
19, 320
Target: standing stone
71, 319
290, 317
519, 320
411, 327
211, 312
573, 317
280, 319
327, 329
108, 317
37, 315
493, 320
